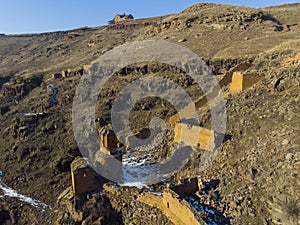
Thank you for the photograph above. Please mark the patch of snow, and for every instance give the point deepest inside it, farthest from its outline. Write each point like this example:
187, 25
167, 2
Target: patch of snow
157, 193
14, 194
33, 114
135, 176
129, 159
138, 185
212, 217
137, 166
136, 172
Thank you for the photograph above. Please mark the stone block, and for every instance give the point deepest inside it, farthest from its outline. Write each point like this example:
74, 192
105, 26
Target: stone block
56, 75
84, 178
64, 74
241, 82
177, 210
108, 140
86, 67
237, 83
194, 136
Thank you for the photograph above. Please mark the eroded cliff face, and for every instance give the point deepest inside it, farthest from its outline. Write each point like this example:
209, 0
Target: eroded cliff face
255, 176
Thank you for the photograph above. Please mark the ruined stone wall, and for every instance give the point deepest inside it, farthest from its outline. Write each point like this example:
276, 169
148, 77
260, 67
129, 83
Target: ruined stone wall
177, 210
121, 18
194, 135
241, 82
118, 19
84, 178
249, 80
237, 83
109, 141
142, 134
71, 72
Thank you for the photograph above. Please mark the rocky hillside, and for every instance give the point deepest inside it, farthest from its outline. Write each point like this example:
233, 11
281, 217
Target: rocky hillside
255, 176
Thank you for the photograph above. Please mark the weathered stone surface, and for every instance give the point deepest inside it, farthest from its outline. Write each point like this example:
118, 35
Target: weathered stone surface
120, 18
241, 82
194, 136
178, 212
84, 178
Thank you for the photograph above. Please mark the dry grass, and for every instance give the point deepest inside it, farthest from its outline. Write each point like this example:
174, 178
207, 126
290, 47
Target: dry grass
290, 46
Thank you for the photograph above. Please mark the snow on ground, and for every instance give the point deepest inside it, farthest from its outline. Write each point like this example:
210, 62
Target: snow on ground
33, 114
212, 217
137, 166
135, 171
9, 192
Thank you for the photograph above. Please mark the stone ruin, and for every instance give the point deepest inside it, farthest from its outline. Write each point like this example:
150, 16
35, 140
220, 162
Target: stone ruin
110, 143
191, 135
84, 178
201, 138
234, 77
71, 72
173, 205
120, 18
184, 132
172, 202
243, 81
183, 203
